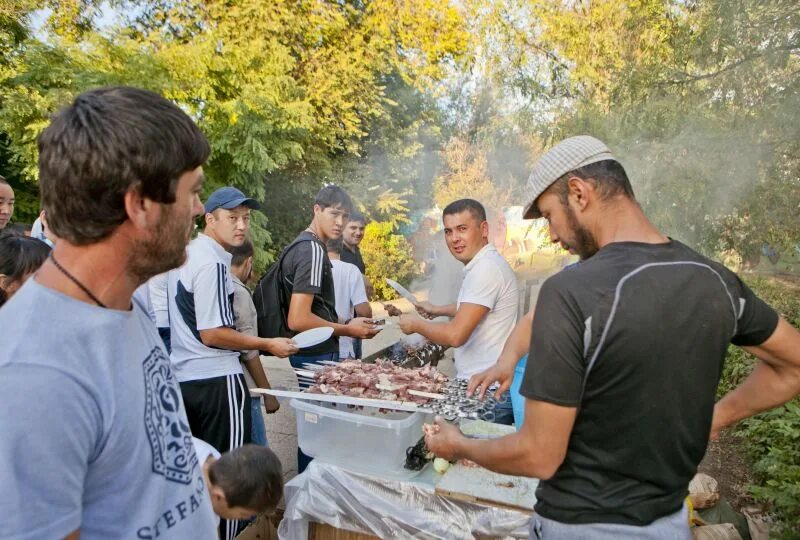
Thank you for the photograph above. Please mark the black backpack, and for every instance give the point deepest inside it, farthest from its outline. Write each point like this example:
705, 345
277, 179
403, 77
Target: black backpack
269, 297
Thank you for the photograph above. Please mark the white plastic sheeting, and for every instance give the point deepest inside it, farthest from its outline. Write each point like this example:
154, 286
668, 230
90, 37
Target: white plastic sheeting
389, 508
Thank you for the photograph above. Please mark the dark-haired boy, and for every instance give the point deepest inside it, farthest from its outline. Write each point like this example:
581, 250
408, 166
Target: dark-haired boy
308, 279
243, 482
17, 229
352, 236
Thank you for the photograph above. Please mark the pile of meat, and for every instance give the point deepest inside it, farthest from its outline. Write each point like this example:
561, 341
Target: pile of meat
381, 380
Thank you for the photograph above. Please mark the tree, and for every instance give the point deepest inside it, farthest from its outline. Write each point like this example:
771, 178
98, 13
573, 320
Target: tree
386, 255
465, 175
698, 99
283, 89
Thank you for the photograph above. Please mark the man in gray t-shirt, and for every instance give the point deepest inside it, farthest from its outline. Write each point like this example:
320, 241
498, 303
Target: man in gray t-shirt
95, 441
99, 437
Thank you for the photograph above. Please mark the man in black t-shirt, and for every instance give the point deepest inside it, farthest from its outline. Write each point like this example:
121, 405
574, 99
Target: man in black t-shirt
309, 281
352, 236
625, 358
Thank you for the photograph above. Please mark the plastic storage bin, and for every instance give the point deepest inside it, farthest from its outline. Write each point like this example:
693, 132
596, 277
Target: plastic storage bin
367, 440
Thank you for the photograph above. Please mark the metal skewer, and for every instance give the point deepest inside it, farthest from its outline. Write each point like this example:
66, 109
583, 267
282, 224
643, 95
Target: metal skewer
346, 400
313, 367
428, 395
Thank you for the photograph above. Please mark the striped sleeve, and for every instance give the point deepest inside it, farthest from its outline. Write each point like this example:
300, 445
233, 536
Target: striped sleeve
213, 297
307, 267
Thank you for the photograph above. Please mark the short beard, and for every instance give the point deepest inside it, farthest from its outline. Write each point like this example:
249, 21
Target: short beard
585, 244
163, 251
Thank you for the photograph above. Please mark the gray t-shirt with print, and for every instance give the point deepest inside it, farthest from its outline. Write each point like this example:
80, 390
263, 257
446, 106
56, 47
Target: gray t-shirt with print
94, 432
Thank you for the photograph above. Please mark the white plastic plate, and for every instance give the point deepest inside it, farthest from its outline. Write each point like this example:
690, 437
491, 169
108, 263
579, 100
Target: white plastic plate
312, 337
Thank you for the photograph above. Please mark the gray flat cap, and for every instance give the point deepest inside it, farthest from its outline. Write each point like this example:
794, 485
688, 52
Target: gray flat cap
566, 156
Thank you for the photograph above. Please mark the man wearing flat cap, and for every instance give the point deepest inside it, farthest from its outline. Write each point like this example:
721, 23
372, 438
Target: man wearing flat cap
205, 343
625, 358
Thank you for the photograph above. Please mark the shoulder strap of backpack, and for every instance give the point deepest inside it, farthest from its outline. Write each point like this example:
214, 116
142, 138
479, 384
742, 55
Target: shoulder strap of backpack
260, 292
286, 252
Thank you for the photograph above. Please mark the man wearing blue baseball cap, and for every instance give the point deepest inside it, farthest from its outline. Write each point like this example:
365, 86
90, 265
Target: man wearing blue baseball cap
205, 343
625, 357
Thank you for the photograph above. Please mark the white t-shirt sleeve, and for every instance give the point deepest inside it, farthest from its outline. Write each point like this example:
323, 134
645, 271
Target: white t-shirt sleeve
212, 302
482, 285
157, 286
358, 293
204, 450
142, 295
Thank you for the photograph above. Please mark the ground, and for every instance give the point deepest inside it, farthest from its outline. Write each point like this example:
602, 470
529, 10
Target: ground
725, 461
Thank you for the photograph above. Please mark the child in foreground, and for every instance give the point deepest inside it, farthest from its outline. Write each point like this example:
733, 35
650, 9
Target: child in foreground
243, 482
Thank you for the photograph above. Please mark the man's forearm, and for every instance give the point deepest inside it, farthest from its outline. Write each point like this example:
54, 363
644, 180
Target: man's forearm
256, 371
518, 343
441, 333
506, 455
370, 290
448, 310
363, 310
307, 321
228, 338
764, 389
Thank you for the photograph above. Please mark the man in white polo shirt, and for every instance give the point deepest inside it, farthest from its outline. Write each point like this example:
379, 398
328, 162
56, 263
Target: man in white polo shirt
488, 301
205, 343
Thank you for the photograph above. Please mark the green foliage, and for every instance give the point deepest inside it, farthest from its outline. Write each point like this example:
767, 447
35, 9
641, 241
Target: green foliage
285, 90
698, 99
391, 178
26, 207
465, 175
392, 208
386, 255
700, 102
771, 439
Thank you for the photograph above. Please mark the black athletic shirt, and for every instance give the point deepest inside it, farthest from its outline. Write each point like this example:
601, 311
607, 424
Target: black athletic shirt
635, 337
307, 269
353, 257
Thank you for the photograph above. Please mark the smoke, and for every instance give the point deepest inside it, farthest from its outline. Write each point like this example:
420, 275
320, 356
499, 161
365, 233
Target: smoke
693, 182
447, 276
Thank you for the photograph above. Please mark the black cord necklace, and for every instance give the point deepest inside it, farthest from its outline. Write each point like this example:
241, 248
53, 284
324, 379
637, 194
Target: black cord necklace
76, 282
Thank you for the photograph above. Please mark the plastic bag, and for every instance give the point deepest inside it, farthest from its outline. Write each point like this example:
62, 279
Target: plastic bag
704, 491
388, 508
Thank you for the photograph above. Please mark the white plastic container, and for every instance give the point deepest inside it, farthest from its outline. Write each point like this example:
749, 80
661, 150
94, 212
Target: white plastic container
368, 440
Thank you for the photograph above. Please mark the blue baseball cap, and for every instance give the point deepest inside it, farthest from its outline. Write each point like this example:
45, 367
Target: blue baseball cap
228, 198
